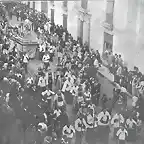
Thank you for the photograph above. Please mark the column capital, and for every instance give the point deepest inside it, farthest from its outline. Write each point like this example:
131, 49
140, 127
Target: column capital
84, 15
65, 10
82, 10
52, 5
107, 26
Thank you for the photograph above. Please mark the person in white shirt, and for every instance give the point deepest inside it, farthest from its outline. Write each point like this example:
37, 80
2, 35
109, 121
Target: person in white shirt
72, 79
96, 63
79, 100
104, 118
25, 58
59, 94
89, 121
48, 140
119, 71
46, 77
91, 108
7, 98
67, 74
60, 100
116, 121
47, 94
42, 127
69, 131
5, 51
80, 130
122, 134
39, 30
74, 90
67, 85
123, 90
118, 117
57, 112
141, 87
87, 95
18, 75
79, 125
131, 123
134, 101
42, 82
5, 65
29, 81
25, 61
41, 48
46, 59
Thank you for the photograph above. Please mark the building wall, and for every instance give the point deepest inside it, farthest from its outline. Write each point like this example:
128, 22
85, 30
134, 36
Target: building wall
96, 30
128, 21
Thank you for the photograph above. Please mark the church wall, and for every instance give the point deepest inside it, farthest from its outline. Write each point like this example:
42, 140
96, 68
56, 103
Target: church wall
128, 23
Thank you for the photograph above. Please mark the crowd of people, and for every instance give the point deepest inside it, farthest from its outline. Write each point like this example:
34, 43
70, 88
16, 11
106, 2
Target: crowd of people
132, 80
34, 100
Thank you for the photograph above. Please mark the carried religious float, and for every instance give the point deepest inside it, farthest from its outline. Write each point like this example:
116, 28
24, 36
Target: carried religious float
26, 38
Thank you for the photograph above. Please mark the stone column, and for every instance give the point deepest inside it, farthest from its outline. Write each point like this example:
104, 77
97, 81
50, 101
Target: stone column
29, 4
65, 13
44, 7
82, 12
140, 36
38, 6
86, 28
52, 10
108, 26
34, 5
140, 24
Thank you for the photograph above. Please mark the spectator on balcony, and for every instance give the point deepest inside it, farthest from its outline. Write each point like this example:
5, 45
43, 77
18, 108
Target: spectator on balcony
18, 15
120, 60
25, 61
113, 68
118, 74
45, 60
104, 100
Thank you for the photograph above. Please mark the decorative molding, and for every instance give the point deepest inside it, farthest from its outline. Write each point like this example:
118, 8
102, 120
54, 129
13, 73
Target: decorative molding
108, 28
109, 32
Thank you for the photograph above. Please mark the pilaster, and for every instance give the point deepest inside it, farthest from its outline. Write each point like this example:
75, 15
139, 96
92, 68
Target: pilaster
65, 13
44, 7
82, 14
84, 21
28, 4
34, 5
52, 7
108, 26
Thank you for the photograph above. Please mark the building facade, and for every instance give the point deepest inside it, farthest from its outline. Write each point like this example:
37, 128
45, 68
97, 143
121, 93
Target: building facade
117, 24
